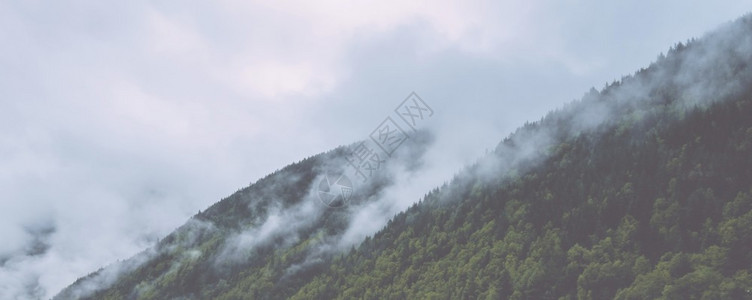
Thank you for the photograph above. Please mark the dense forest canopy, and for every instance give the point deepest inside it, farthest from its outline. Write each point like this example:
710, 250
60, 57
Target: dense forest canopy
641, 190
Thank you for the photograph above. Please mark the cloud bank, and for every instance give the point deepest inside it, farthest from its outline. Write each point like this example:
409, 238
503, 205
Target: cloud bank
118, 121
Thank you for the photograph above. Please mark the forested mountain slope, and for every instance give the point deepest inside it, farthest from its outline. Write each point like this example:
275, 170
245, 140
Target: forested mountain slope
639, 210
641, 190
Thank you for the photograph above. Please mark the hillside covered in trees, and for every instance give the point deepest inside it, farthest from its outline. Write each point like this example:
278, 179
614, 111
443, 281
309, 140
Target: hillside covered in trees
641, 190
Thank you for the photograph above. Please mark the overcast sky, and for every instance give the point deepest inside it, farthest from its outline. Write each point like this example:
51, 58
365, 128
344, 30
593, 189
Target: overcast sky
121, 119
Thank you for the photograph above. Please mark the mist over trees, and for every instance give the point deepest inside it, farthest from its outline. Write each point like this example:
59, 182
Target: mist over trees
641, 190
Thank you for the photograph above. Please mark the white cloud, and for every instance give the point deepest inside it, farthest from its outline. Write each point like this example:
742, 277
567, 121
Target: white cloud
119, 120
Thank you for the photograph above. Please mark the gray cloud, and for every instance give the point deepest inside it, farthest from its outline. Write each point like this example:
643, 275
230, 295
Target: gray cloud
118, 121
722, 53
